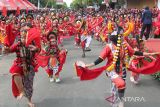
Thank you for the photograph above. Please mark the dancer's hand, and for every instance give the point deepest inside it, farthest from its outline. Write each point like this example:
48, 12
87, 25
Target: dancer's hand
24, 69
155, 53
33, 48
89, 65
151, 54
6, 50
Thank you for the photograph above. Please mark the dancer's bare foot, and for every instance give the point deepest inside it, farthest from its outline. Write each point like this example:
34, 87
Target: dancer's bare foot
20, 96
30, 104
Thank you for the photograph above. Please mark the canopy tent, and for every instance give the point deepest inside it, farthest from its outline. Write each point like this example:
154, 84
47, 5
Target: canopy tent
20, 5
1, 4
14, 4
25, 4
8, 4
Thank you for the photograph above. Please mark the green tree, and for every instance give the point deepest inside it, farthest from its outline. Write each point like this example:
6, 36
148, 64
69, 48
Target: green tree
44, 3
83, 3
121, 2
79, 3
76, 4
64, 5
99, 1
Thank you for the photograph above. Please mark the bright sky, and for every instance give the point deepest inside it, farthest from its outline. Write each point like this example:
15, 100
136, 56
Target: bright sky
68, 2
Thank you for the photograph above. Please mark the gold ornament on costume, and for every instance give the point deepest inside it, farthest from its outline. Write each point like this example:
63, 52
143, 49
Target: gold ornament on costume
117, 53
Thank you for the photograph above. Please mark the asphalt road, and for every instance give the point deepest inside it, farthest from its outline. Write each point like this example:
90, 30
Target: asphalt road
72, 92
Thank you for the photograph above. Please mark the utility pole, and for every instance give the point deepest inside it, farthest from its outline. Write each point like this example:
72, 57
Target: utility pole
38, 4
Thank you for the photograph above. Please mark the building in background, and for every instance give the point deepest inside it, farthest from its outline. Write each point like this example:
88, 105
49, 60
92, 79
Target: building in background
141, 3
59, 2
133, 3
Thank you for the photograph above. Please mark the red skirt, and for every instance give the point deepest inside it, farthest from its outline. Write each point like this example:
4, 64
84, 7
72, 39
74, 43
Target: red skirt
15, 70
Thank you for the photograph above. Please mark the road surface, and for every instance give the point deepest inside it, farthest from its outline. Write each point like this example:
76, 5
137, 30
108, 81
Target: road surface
72, 92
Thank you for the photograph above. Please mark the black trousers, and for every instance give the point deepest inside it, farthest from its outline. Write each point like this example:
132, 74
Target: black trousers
146, 27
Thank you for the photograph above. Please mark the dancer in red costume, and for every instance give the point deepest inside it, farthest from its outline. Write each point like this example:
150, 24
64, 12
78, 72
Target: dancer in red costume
2, 33
137, 60
45, 29
117, 54
83, 37
24, 66
52, 58
77, 36
60, 31
157, 27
